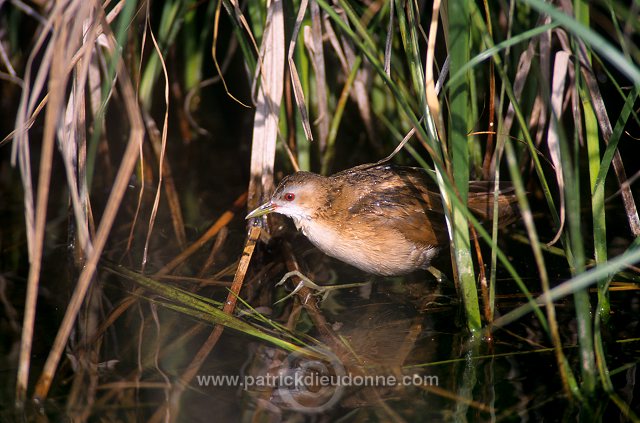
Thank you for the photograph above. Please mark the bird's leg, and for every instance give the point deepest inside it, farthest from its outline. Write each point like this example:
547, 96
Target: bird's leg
440, 277
305, 281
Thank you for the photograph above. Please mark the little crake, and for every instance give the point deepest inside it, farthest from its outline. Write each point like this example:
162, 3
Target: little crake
383, 219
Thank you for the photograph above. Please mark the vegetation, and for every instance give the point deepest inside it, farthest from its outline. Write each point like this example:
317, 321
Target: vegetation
118, 116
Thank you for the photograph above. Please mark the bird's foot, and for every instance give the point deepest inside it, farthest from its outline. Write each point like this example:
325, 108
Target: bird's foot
306, 282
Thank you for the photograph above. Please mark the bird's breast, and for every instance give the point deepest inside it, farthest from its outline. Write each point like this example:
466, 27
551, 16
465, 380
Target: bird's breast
385, 252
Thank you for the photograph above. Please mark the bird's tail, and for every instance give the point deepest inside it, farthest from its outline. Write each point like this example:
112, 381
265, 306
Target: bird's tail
481, 202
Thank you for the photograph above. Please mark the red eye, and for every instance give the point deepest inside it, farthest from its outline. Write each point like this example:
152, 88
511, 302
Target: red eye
289, 196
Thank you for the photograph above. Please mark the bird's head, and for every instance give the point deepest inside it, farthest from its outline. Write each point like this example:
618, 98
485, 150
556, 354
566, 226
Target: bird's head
298, 196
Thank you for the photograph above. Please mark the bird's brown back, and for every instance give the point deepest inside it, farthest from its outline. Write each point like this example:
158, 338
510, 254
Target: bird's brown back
405, 200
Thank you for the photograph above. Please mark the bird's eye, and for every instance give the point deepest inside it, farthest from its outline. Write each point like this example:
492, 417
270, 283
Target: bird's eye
289, 196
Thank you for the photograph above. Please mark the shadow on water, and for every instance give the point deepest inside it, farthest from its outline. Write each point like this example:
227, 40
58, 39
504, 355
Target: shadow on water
412, 360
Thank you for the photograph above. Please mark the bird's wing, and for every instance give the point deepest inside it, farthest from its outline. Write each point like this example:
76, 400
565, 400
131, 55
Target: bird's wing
401, 199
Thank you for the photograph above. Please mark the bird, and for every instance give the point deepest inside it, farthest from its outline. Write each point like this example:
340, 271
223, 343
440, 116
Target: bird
384, 219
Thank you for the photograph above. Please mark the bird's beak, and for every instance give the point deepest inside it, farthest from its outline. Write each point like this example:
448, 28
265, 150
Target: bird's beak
266, 208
